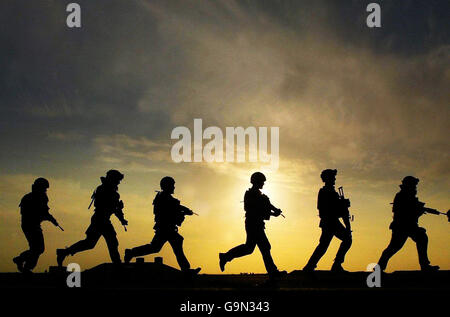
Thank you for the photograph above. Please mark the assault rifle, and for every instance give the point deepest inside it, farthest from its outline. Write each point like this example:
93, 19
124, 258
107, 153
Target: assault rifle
345, 205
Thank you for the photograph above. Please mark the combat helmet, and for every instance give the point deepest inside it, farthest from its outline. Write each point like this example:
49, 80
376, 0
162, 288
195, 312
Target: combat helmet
40, 183
410, 181
257, 178
114, 175
327, 174
166, 182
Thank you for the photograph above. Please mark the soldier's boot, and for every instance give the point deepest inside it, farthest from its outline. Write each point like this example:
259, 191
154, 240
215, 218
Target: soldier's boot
309, 268
430, 268
19, 263
60, 256
222, 261
337, 267
277, 274
192, 271
27, 271
128, 256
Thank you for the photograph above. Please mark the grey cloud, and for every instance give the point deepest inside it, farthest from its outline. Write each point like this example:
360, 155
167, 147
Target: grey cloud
342, 94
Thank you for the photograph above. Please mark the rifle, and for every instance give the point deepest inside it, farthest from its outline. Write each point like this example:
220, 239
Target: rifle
436, 212
432, 211
272, 207
346, 204
119, 214
92, 199
188, 212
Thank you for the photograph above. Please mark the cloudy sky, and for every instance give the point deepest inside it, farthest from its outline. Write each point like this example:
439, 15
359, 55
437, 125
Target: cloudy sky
373, 103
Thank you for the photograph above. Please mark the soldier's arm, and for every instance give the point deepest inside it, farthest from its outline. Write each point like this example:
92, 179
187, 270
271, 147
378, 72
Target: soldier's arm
185, 210
276, 211
118, 211
325, 204
49, 217
272, 207
347, 222
420, 208
431, 211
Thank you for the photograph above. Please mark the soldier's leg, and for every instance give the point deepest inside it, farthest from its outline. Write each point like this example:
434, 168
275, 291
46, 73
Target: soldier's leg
264, 247
22, 257
36, 242
93, 234
398, 239
346, 237
176, 241
244, 249
324, 242
153, 247
111, 241
419, 236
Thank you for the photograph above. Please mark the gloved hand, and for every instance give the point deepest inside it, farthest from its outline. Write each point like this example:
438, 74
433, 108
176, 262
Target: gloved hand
188, 212
277, 212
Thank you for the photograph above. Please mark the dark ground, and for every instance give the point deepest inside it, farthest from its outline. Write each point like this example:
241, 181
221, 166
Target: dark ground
156, 289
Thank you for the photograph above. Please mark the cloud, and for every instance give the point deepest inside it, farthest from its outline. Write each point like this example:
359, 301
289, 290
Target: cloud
338, 102
121, 148
65, 136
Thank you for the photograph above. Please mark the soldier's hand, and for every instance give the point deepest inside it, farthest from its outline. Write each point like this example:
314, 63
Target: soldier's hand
277, 212
347, 202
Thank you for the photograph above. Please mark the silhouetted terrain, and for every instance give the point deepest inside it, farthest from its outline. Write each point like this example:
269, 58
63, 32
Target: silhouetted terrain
132, 287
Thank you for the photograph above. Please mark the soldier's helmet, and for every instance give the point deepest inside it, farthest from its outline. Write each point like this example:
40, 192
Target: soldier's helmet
410, 181
328, 174
114, 175
166, 182
40, 183
257, 178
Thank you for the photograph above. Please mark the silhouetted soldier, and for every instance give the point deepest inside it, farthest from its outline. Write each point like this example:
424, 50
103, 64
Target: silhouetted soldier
331, 207
407, 209
106, 201
34, 210
257, 209
169, 215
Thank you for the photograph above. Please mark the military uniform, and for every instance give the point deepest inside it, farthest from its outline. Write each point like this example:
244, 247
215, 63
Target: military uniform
331, 208
34, 209
169, 215
257, 208
106, 202
407, 209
